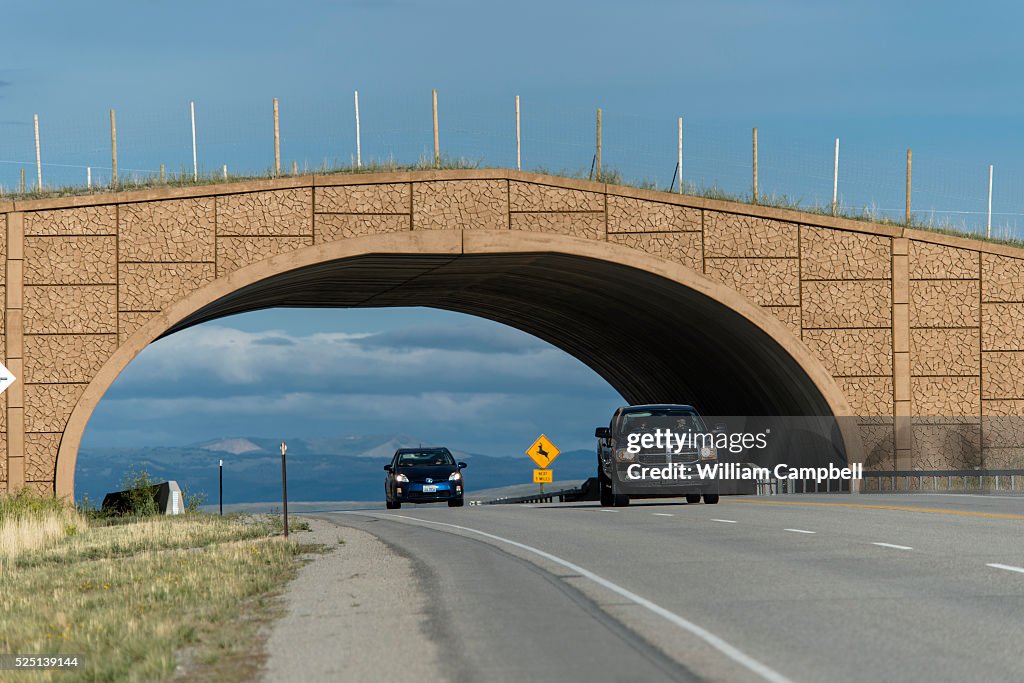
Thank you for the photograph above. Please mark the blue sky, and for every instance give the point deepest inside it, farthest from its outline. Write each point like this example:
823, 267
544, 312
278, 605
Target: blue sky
940, 77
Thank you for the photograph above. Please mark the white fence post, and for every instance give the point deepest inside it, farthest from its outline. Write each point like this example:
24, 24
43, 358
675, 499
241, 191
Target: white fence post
359, 148
989, 201
835, 180
679, 162
519, 166
39, 165
195, 161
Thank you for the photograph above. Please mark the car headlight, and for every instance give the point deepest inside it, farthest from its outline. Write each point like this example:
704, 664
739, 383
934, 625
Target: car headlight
402, 478
624, 455
707, 453
455, 476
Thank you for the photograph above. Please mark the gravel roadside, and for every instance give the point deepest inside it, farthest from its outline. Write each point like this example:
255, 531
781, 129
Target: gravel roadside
349, 612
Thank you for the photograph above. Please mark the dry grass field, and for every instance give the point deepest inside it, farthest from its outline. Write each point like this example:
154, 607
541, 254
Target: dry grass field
146, 599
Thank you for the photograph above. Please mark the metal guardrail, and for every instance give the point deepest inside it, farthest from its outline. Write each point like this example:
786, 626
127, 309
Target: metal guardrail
586, 491
1001, 481
562, 496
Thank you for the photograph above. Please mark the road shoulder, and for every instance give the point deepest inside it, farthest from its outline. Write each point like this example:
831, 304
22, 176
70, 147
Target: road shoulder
349, 611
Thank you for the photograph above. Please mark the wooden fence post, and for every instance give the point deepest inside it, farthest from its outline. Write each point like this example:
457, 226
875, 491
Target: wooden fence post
113, 148
909, 160
755, 165
437, 146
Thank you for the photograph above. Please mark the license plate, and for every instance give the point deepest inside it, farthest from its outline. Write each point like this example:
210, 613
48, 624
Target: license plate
429, 488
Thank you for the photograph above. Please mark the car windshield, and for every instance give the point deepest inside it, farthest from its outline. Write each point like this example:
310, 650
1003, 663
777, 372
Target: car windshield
425, 458
650, 420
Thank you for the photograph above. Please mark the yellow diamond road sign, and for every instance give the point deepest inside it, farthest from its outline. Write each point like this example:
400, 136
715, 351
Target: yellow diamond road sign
542, 452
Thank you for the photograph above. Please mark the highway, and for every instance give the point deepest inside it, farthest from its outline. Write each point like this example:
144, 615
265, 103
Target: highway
797, 588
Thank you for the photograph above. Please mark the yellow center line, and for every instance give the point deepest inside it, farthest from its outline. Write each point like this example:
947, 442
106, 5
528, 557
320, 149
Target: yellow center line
936, 511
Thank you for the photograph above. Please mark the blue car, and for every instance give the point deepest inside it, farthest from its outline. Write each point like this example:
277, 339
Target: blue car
423, 475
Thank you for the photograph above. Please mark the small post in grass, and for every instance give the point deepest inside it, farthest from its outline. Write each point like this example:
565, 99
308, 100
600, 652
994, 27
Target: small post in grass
284, 486
163, 175
21, 184
597, 151
221, 495
88, 177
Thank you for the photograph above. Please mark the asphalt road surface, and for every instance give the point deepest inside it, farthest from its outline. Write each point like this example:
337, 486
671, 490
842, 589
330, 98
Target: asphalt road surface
789, 588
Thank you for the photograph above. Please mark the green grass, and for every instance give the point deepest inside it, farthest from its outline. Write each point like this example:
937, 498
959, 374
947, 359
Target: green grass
184, 178
157, 599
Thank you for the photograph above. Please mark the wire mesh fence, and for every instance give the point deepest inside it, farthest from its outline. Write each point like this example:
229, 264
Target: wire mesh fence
75, 151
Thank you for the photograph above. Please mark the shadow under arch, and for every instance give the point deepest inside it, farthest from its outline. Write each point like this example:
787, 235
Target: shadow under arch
656, 330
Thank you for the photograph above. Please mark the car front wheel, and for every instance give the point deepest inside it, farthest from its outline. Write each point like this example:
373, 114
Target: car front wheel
694, 498
606, 490
456, 503
392, 506
710, 498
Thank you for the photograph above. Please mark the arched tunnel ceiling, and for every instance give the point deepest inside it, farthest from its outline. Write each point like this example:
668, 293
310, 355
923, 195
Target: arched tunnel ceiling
652, 339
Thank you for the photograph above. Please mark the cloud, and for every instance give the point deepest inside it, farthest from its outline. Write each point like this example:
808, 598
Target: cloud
480, 386
216, 361
454, 338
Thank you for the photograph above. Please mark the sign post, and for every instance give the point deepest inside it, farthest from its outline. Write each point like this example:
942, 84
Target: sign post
221, 495
542, 452
284, 486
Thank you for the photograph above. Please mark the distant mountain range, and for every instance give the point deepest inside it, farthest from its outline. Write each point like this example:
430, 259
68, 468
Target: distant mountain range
332, 468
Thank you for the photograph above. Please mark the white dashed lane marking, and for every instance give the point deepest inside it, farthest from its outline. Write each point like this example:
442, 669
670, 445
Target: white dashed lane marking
891, 545
663, 514
801, 531
1007, 567
725, 521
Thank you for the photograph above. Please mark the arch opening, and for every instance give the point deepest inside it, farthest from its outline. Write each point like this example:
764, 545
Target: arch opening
656, 331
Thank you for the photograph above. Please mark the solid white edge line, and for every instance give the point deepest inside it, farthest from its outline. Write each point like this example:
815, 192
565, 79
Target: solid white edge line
892, 545
727, 521
1007, 567
730, 651
801, 531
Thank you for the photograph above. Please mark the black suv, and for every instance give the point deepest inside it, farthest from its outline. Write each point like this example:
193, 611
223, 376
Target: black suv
629, 465
423, 475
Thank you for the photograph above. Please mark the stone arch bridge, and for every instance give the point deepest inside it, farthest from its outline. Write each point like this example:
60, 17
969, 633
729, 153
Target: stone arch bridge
746, 310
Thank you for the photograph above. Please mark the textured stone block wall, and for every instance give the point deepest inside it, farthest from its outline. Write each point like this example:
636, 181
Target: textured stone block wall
1002, 360
945, 356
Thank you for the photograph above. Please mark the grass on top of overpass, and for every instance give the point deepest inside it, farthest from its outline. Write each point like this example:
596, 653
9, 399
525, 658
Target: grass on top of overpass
185, 178
148, 599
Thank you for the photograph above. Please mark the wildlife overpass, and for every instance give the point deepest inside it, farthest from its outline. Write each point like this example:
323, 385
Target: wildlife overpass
917, 337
